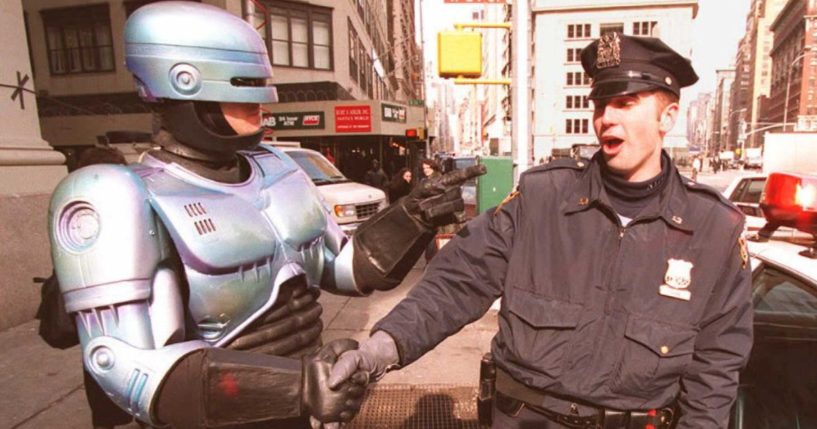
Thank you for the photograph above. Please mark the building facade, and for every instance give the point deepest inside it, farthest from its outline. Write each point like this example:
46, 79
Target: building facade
739, 94
495, 99
794, 67
759, 35
722, 102
29, 171
562, 112
351, 62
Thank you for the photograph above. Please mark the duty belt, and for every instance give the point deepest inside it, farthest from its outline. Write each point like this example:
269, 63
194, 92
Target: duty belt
511, 396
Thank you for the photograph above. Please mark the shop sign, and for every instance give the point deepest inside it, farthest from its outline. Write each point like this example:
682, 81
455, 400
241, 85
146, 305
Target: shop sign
293, 120
392, 113
353, 119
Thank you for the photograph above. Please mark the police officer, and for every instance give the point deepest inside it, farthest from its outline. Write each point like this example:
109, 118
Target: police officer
625, 286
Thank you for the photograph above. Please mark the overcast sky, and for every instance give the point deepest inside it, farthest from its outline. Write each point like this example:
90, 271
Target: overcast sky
717, 29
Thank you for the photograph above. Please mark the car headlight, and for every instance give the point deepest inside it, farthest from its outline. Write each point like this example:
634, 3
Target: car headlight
345, 210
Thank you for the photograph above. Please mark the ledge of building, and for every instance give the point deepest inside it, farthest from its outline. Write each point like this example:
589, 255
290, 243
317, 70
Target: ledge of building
28, 151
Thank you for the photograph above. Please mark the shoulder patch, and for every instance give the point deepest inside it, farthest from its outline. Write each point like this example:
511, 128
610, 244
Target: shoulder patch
507, 199
744, 253
558, 164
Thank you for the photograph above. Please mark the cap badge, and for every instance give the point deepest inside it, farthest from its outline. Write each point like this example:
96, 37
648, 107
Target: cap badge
608, 53
677, 280
668, 80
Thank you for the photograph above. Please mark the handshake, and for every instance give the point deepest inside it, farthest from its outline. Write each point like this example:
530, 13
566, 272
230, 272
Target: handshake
335, 377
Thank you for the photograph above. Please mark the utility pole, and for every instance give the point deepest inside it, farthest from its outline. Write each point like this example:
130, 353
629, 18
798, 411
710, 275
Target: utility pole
520, 87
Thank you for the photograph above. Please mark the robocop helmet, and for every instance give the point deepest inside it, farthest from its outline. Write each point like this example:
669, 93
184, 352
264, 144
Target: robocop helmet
187, 57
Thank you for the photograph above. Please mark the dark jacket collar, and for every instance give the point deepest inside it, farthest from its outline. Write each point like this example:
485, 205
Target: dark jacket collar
588, 191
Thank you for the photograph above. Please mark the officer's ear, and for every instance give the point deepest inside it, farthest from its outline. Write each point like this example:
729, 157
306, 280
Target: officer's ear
668, 117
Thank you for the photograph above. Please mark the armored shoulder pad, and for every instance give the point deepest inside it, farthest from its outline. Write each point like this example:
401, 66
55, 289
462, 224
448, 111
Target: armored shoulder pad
102, 231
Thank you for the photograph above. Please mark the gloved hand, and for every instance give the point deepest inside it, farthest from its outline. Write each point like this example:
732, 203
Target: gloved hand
375, 356
435, 201
340, 402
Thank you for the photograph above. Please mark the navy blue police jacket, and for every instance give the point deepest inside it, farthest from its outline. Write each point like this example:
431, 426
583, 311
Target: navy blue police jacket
625, 317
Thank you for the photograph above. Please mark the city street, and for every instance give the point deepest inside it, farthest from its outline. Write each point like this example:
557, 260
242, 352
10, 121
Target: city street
440, 387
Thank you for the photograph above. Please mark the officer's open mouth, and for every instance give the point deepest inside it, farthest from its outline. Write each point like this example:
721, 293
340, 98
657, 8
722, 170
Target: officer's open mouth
611, 142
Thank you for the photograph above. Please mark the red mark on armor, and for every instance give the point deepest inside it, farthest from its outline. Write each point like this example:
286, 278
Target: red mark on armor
651, 413
228, 385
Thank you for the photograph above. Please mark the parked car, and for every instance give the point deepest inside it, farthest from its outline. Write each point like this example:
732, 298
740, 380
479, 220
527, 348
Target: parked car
349, 203
778, 387
745, 193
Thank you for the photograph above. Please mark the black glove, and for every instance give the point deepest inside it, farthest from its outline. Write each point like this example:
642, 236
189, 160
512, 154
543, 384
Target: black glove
375, 357
389, 243
341, 402
435, 201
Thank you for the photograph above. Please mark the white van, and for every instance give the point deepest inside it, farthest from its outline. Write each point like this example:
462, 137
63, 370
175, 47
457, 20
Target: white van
350, 203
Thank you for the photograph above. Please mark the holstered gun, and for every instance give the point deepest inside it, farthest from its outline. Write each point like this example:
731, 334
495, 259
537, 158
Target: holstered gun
487, 389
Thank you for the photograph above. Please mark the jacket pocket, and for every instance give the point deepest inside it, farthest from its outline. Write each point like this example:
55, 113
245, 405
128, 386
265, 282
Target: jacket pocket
541, 330
654, 356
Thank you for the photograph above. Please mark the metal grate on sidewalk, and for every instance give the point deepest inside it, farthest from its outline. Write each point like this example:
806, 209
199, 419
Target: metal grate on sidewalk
418, 407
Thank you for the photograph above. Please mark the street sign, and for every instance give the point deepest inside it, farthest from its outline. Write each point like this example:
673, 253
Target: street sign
293, 120
416, 102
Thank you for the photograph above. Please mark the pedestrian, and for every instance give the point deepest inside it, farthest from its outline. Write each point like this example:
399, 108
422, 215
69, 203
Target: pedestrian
625, 287
400, 185
376, 177
192, 276
429, 168
696, 167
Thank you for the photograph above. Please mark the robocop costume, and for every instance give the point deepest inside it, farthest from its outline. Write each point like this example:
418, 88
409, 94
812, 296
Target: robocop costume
214, 242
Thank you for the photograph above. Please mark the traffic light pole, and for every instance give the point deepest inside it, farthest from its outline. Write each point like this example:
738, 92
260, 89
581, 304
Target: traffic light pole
520, 88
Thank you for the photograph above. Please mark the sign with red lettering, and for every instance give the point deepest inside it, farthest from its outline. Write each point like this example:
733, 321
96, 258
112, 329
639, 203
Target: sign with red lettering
353, 119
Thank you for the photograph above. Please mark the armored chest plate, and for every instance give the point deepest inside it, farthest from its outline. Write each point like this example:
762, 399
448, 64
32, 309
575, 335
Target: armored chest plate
238, 243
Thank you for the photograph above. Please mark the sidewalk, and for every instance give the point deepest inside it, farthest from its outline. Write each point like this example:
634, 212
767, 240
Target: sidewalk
43, 386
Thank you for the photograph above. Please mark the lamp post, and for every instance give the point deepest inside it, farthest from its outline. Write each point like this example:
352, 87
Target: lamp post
729, 122
806, 50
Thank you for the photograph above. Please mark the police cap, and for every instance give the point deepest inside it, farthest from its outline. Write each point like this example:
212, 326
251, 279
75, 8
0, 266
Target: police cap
621, 64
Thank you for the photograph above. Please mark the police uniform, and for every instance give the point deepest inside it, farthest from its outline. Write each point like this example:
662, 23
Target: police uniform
604, 322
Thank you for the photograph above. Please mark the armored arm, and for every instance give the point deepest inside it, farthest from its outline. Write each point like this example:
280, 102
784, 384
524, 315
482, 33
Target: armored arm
114, 262
111, 264
388, 244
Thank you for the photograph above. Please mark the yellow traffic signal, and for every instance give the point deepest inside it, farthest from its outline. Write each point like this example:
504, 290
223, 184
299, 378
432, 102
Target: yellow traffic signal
459, 54
421, 133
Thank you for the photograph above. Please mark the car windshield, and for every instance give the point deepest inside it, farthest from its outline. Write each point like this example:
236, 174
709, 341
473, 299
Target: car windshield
318, 168
463, 163
778, 383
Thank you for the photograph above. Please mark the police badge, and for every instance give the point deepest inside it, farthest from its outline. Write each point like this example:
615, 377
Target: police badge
608, 53
677, 280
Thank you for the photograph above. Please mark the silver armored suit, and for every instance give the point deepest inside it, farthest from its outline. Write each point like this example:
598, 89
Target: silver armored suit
156, 262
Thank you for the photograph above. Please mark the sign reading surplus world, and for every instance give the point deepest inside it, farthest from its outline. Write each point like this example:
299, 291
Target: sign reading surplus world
353, 119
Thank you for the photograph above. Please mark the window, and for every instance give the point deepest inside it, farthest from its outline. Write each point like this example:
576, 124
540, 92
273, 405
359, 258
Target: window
301, 37
576, 126
353, 44
577, 79
578, 31
577, 102
574, 55
611, 28
78, 39
644, 28
131, 5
